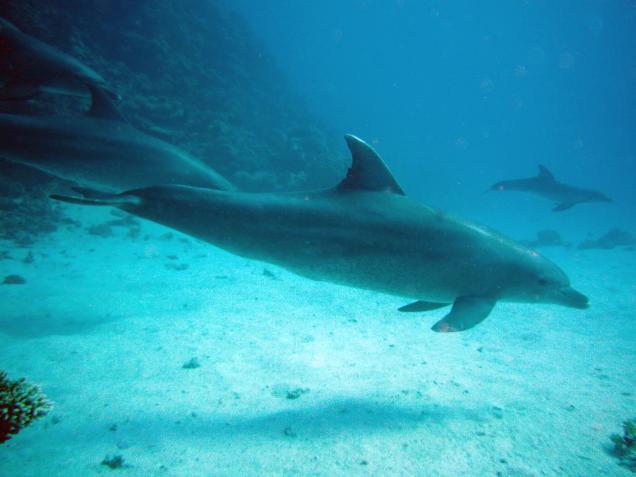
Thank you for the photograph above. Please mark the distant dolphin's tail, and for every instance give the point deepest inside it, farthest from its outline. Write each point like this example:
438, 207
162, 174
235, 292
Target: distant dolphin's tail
96, 197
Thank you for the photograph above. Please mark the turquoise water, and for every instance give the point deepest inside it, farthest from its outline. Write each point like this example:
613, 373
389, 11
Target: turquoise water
187, 360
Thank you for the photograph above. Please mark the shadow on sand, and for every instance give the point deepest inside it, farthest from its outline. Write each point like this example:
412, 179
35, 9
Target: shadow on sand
329, 419
334, 417
22, 326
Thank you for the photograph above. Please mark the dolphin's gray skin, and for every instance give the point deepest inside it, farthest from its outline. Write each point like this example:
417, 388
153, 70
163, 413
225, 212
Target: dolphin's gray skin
363, 233
545, 185
29, 66
100, 150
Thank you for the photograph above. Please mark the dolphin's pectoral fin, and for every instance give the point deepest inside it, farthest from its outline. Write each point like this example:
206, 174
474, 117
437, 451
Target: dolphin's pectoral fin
563, 206
368, 171
467, 312
421, 306
19, 91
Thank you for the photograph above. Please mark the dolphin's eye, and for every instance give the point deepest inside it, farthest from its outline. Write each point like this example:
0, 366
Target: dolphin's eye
543, 282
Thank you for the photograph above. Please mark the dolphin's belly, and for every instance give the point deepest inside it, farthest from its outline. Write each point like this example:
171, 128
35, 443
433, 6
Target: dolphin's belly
381, 276
409, 267
409, 275
100, 154
89, 163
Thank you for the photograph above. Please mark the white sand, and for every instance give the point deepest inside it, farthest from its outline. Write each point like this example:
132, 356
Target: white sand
105, 327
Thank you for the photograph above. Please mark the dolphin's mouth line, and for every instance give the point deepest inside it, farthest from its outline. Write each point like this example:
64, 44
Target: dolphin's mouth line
574, 299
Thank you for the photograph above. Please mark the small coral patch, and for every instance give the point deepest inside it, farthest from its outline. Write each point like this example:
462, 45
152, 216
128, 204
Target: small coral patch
20, 404
625, 445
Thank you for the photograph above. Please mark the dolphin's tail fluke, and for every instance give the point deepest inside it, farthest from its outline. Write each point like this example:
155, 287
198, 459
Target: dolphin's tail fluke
96, 197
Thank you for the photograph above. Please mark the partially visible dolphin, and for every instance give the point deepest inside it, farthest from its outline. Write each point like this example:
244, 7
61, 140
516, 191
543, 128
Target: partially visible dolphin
545, 185
100, 150
363, 233
29, 66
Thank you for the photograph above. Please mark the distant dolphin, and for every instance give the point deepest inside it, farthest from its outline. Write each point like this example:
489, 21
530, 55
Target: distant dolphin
100, 150
363, 233
29, 66
545, 185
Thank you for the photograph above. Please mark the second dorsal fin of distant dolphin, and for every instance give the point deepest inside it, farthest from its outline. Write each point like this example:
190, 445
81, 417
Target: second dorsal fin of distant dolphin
102, 107
368, 171
545, 174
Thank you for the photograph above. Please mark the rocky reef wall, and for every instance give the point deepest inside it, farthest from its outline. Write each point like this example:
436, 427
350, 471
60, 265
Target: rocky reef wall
190, 73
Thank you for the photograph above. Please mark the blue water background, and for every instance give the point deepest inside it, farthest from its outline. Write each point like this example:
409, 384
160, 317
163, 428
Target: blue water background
457, 95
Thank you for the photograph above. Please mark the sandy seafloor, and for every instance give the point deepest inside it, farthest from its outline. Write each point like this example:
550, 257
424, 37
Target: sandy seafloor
106, 324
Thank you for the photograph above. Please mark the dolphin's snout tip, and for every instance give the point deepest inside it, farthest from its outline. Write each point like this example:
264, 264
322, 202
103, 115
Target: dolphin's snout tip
575, 299
497, 187
583, 305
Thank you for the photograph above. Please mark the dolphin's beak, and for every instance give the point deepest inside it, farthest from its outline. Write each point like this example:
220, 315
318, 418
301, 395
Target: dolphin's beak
490, 189
570, 297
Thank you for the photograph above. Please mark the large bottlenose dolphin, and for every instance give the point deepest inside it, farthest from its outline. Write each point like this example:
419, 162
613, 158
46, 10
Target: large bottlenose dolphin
545, 185
29, 66
363, 233
100, 150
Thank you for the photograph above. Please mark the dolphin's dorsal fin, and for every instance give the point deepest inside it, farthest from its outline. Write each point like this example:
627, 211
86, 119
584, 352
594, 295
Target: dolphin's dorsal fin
101, 105
368, 171
545, 174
